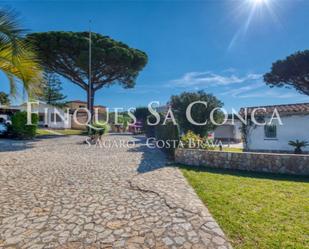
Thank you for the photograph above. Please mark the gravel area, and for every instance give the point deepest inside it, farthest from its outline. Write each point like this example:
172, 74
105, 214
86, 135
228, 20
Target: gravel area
60, 193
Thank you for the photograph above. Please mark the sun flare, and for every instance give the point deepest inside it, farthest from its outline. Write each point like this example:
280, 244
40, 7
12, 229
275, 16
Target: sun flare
253, 11
259, 2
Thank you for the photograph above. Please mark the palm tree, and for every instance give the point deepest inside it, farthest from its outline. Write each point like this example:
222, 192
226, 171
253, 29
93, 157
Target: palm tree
298, 145
18, 60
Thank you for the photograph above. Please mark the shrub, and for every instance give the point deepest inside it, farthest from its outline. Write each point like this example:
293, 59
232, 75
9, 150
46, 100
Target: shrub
150, 129
169, 135
193, 141
20, 129
123, 119
99, 129
298, 145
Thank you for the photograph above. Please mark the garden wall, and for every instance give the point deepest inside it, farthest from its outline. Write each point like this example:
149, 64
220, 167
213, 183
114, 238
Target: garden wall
250, 161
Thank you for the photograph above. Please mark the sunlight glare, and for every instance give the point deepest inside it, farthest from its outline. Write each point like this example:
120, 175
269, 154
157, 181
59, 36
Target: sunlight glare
258, 1
253, 11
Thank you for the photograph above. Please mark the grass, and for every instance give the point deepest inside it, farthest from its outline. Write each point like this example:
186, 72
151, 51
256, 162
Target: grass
43, 132
72, 132
255, 210
226, 149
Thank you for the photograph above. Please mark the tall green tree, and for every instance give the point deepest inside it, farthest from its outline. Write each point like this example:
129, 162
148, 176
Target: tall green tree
18, 60
199, 112
141, 114
67, 54
51, 93
4, 99
293, 71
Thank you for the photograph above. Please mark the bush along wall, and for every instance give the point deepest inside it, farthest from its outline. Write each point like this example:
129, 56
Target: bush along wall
167, 137
20, 129
150, 129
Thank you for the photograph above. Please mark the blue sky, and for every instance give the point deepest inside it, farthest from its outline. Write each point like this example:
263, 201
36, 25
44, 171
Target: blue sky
199, 45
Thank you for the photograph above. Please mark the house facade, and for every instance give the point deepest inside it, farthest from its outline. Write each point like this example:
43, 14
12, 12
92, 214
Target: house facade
50, 116
275, 136
77, 108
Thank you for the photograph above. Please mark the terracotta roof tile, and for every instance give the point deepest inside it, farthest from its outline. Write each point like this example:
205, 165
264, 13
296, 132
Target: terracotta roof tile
84, 102
76, 101
282, 109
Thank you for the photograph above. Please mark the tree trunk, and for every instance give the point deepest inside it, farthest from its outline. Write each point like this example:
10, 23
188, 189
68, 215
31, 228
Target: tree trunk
90, 103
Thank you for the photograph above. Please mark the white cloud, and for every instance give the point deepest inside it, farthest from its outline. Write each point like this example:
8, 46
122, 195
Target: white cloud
204, 79
236, 92
230, 70
260, 90
230, 85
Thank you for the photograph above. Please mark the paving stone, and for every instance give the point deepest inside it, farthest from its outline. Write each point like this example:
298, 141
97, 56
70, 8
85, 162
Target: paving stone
218, 240
13, 240
89, 226
59, 193
179, 240
167, 241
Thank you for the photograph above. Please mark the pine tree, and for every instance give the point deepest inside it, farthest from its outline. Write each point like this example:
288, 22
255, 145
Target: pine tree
4, 99
52, 90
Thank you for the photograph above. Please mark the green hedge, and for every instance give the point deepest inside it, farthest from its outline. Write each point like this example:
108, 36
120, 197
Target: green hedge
20, 129
150, 129
169, 134
166, 134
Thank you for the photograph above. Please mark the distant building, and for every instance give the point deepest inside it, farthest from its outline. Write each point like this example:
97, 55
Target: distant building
230, 131
49, 116
275, 137
77, 106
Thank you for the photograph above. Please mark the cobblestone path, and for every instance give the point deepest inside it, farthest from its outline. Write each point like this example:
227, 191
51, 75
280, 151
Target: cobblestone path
59, 193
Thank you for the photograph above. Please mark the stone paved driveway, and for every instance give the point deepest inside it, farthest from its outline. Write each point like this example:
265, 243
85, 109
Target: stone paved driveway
59, 193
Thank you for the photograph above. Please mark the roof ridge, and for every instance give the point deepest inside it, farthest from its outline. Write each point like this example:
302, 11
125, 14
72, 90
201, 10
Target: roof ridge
304, 103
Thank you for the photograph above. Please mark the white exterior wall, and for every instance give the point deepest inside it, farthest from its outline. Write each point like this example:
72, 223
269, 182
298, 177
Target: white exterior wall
50, 110
66, 124
294, 127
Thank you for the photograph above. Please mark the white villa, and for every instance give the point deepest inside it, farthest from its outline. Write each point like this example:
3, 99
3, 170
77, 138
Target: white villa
50, 116
275, 137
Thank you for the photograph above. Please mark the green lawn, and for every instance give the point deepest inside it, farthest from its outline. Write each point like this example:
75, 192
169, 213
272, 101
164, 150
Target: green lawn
226, 149
42, 132
255, 210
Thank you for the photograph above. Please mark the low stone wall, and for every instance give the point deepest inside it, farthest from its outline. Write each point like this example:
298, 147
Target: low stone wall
250, 161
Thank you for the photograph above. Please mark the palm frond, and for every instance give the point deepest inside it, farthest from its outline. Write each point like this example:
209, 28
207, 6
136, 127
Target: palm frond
298, 144
24, 66
10, 30
17, 58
